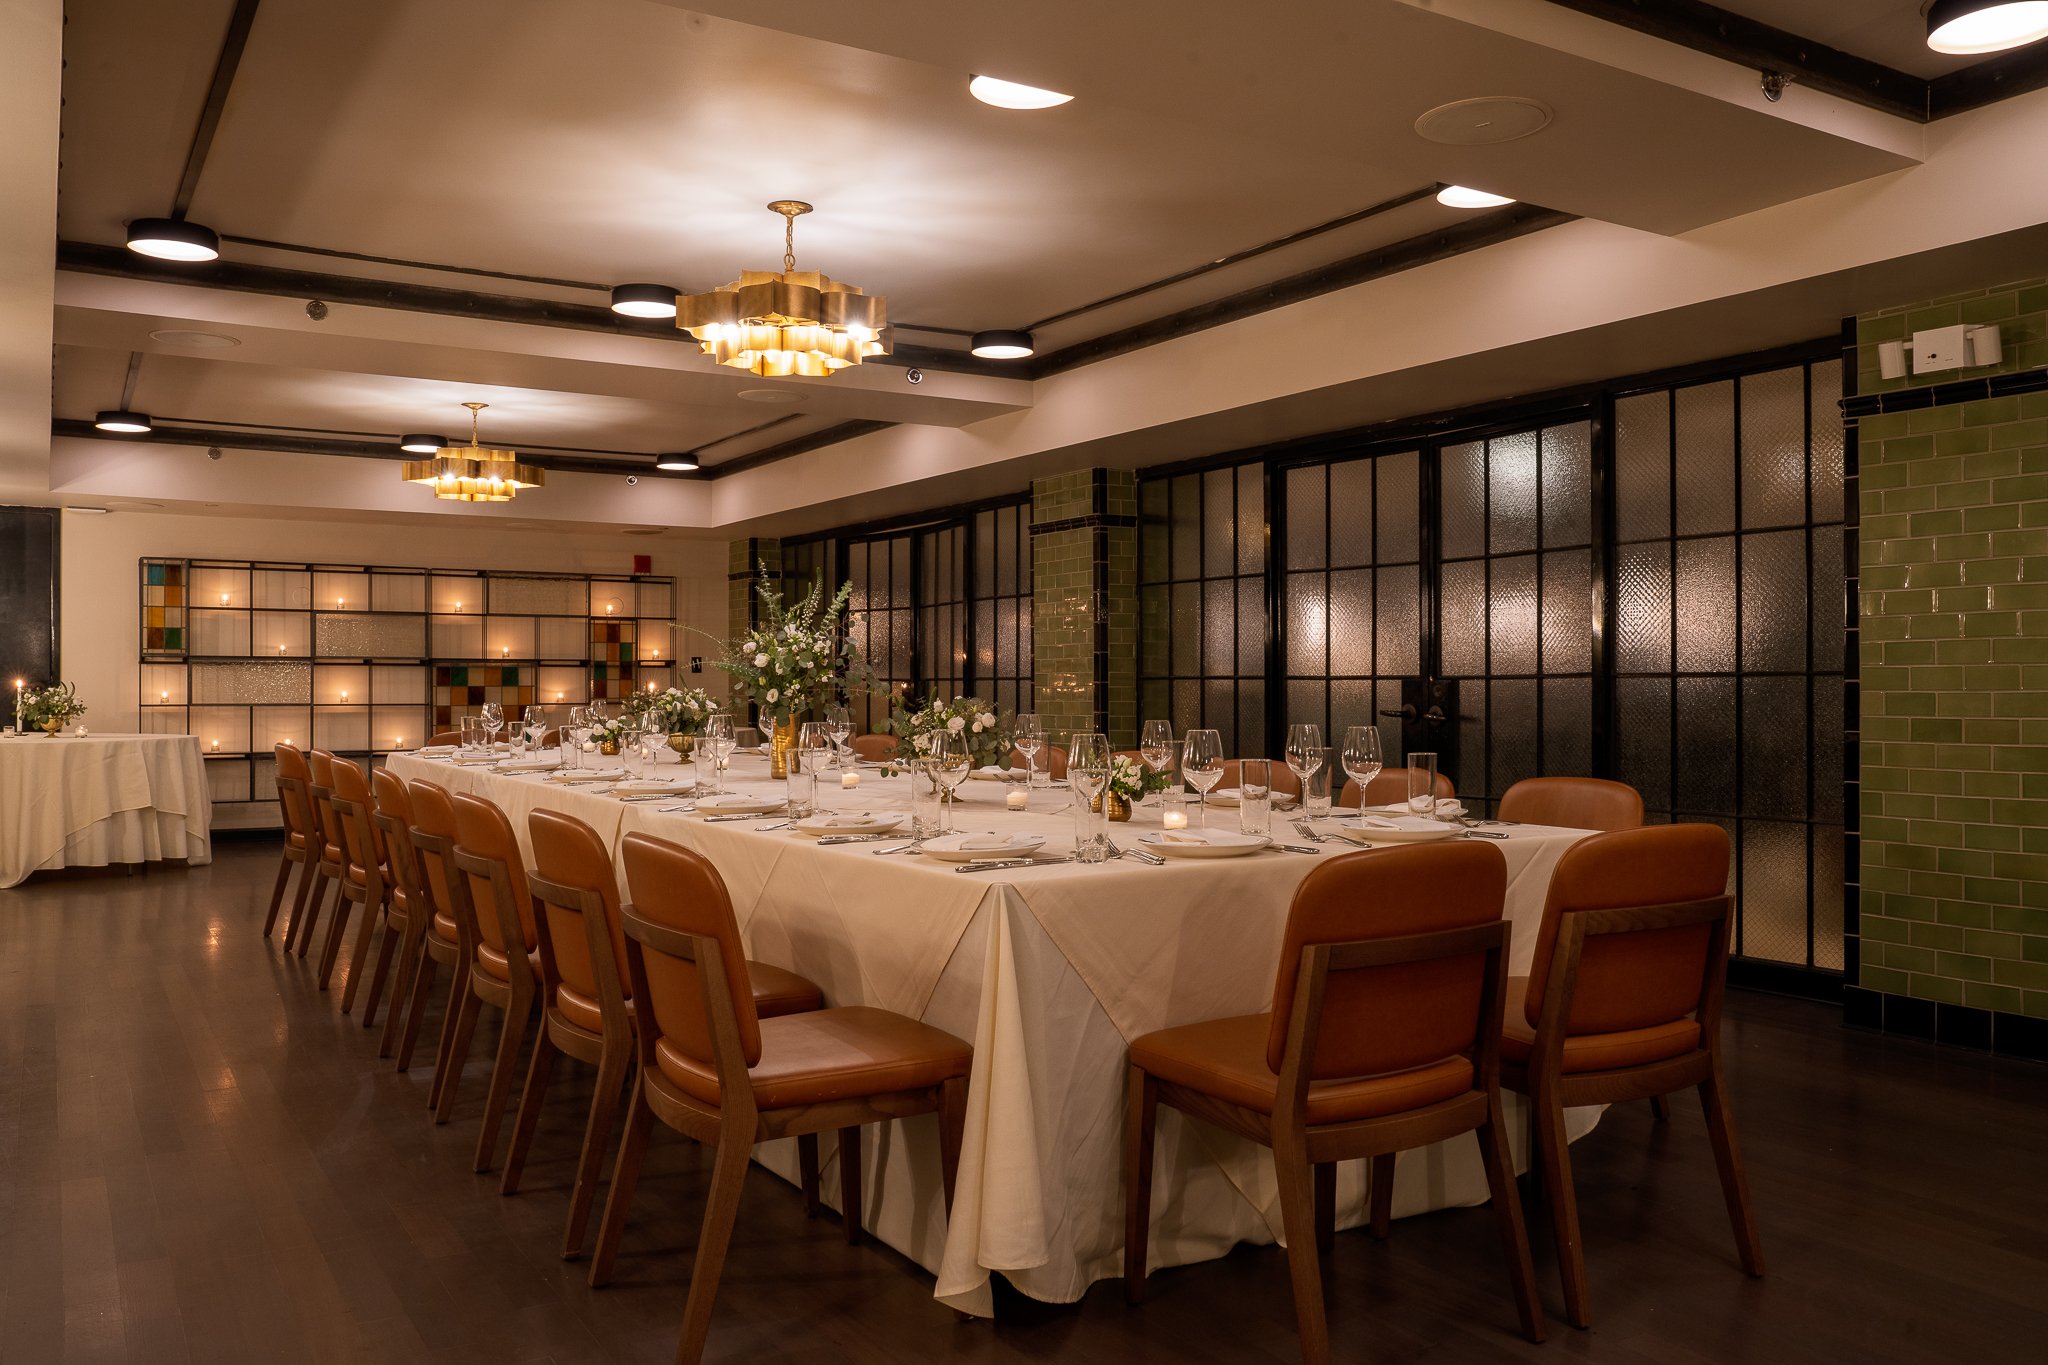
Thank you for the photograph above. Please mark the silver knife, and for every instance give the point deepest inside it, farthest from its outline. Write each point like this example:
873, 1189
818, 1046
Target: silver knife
748, 815
857, 838
1010, 862
1484, 834
684, 809
1293, 848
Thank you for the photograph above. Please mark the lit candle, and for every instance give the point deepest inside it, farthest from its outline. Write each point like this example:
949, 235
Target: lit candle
344, 695
458, 605
17, 705
341, 601
657, 654
1175, 815
398, 741
609, 608
280, 649
650, 689
849, 779
223, 599
505, 652
1017, 799
216, 746
163, 696
558, 696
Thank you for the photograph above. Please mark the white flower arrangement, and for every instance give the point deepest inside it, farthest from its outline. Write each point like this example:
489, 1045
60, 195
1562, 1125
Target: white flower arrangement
987, 734
1127, 778
683, 710
798, 656
58, 702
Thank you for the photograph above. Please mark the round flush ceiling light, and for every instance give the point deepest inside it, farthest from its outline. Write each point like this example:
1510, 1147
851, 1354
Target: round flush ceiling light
644, 300
1480, 122
1002, 345
173, 239
120, 419
1010, 95
1970, 26
679, 462
421, 443
1462, 197
768, 397
198, 341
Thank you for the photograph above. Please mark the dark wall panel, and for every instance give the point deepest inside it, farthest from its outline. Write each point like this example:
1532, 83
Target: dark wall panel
28, 596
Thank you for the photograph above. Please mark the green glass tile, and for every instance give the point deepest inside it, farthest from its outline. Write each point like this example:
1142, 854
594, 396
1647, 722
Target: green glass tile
1986, 412
1936, 988
1941, 937
2032, 976
1964, 914
1984, 996
1879, 978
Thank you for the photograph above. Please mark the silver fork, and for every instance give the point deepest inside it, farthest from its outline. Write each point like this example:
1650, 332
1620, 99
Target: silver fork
1142, 855
1306, 831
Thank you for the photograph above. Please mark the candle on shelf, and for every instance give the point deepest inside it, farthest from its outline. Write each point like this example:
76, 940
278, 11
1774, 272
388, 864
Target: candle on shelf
163, 696
216, 746
223, 599
344, 696
657, 654
849, 779
558, 696
1018, 799
609, 608
398, 741
341, 601
505, 652
650, 689
458, 605
280, 649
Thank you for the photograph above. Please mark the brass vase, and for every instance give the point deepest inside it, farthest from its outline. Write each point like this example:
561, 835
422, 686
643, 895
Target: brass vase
783, 741
51, 727
684, 745
608, 747
1119, 805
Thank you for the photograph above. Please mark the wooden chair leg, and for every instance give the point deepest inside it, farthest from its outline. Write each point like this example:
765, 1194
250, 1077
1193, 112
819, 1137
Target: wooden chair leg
721, 1209
284, 876
504, 1069
1555, 1153
1507, 1209
337, 929
952, 1125
625, 1175
849, 1184
1381, 1208
1141, 1117
531, 1096
359, 954
1728, 1159
451, 1020
399, 1018
308, 874
388, 940
455, 1055
423, 973
807, 1173
306, 923
1304, 1266
597, 1134
1326, 1206
1660, 1109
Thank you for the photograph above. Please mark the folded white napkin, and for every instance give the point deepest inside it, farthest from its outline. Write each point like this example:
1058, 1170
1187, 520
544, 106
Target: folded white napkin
583, 775
1175, 836
475, 760
530, 765
845, 820
975, 842
1417, 822
435, 749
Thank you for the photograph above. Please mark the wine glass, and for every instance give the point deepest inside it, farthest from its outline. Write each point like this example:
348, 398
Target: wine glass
839, 727
1156, 745
1304, 753
719, 731
1201, 764
494, 720
947, 759
579, 733
1028, 739
1088, 763
1363, 759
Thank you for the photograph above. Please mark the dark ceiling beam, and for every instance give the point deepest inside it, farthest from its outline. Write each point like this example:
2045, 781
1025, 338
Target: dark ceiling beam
1988, 82
224, 69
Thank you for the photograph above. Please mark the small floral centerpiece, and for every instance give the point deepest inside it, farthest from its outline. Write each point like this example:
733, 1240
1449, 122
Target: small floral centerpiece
682, 710
1128, 783
49, 708
987, 734
609, 732
794, 659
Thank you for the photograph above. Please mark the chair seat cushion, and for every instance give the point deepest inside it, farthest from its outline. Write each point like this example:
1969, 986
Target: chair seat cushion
1593, 1051
294, 839
444, 928
495, 962
1226, 1058
826, 1055
776, 991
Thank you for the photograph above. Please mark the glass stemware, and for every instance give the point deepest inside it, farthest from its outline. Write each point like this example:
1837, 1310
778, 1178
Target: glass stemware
1088, 762
1155, 744
579, 734
719, 731
947, 759
1363, 760
1201, 764
1304, 751
1028, 739
839, 726
494, 720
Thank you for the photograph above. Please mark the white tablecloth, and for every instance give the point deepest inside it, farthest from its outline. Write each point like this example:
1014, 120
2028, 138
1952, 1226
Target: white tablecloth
104, 799
1049, 971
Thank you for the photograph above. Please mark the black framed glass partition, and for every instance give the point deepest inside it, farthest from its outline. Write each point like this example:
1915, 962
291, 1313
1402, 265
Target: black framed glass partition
1202, 583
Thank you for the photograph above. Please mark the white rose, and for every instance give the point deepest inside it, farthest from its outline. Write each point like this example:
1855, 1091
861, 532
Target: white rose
773, 696
987, 719
957, 724
760, 661
977, 727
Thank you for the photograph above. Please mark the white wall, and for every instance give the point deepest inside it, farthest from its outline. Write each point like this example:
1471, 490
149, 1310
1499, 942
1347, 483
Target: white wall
100, 631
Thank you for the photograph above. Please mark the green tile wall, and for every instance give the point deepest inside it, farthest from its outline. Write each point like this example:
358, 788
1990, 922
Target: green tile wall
1066, 603
1953, 589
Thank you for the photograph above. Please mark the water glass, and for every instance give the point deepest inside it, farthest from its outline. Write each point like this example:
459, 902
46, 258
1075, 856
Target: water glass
1255, 796
924, 803
1315, 788
1422, 784
1088, 774
1155, 745
1362, 760
802, 788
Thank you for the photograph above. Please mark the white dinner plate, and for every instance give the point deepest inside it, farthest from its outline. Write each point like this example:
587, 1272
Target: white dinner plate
849, 822
734, 804
967, 848
1406, 829
574, 775
1215, 843
1449, 806
649, 787
1223, 796
995, 774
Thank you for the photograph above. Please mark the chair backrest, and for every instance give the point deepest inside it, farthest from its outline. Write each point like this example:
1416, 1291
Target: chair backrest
444, 737
350, 800
393, 821
1643, 977
484, 836
873, 748
433, 835
1573, 803
676, 889
568, 856
1387, 787
294, 799
1280, 775
1391, 1016
1052, 759
321, 764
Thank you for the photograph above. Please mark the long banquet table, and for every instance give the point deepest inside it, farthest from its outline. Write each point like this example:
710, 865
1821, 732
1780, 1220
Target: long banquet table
96, 800
1049, 971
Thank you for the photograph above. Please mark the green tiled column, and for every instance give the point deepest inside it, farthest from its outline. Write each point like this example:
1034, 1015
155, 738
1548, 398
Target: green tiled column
1084, 624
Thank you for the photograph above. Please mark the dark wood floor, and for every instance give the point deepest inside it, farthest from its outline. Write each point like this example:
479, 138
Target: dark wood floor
200, 1161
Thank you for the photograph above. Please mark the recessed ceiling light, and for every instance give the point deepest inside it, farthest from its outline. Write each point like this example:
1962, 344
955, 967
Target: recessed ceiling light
1968, 26
198, 341
421, 443
173, 239
122, 420
86, 511
644, 300
769, 396
1010, 95
681, 462
1488, 119
1461, 197
1002, 345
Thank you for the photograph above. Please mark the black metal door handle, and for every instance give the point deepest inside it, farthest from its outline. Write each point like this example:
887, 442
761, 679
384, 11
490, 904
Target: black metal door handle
1405, 714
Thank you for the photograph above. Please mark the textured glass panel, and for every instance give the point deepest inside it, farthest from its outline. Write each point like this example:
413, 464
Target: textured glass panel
1387, 697
1219, 522
1396, 507
386, 637
1568, 611
1186, 524
1009, 659
1642, 466
1511, 615
1773, 906
1187, 705
540, 596
1306, 607
1251, 518
1153, 699
1154, 532
1828, 739
1187, 629
1351, 704
1219, 711
1251, 627
985, 643
1462, 482
899, 571
1774, 601
899, 644
252, 684
1512, 755
1706, 458
1306, 534
1351, 512
1825, 440
1567, 727
1219, 628
985, 551
1642, 738
1251, 717
1774, 447
1827, 897
1705, 779
1830, 598
1351, 622
1568, 484
1024, 655
1463, 617
1398, 627
1774, 726
561, 638
1706, 606
1013, 552
1511, 476
1307, 701
1468, 774
1642, 608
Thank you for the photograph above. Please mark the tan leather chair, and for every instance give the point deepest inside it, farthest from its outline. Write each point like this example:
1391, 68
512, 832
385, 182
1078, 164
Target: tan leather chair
1052, 759
504, 968
588, 1012
1281, 776
1623, 1002
444, 737
1573, 803
295, 808
1388, 787
409, 912
332, 865
874, 748
451, 932
711, 1069
1380, 1039
364, 880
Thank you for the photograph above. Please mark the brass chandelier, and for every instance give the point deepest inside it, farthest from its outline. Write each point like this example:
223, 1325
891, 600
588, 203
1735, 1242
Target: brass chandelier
474, 473
795, 322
